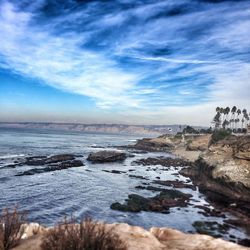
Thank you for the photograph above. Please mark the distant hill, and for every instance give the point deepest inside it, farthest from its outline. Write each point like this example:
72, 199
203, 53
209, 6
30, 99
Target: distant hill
98, 128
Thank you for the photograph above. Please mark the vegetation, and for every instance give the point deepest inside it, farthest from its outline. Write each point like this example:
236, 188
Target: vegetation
190, 130
11, 230
233, 119
88, 235
219, 135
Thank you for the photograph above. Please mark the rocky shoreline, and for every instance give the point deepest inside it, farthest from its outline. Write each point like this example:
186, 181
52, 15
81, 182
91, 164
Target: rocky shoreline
223, 167
137, 238
220, 171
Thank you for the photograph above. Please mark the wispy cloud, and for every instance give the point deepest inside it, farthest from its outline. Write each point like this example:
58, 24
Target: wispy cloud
132, 55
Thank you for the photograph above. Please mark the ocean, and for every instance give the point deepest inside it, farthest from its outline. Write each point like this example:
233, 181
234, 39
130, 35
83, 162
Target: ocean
88, 190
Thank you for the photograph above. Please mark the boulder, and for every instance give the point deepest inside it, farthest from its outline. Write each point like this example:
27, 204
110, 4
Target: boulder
53, 167
159, 203
106, 156
155, 144
163, 161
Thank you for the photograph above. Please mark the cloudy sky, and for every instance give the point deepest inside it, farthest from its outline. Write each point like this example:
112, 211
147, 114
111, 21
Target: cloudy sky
123, 61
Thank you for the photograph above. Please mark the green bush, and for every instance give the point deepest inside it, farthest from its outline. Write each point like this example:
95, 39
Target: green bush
219, 135
190, 130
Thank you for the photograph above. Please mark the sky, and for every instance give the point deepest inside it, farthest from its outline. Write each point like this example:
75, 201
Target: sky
123, 61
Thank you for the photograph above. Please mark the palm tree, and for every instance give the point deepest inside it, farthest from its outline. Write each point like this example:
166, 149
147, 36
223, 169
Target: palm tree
242, 122
245, 115
217, 109
227, 112
233, 110
216, 120
237, 120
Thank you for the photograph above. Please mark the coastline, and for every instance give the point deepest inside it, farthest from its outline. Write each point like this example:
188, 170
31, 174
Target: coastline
137, 238
158, 165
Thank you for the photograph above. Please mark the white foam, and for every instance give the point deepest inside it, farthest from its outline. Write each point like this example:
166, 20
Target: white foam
11, 156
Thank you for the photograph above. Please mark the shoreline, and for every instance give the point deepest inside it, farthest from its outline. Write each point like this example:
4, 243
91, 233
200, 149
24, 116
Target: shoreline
137, 238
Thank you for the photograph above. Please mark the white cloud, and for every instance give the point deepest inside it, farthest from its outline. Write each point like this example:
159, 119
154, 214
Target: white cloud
60, 59
60, 62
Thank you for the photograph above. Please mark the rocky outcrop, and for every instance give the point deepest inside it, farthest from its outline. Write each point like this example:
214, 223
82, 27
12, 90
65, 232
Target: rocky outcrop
44, 160
137, 238
197, 143
175, 184
224, 179
163, 161
51, 168
224, 169
159, 203
52, 163
154, 145
106, 156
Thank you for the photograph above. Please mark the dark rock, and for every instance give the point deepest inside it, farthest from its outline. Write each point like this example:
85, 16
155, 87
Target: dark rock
211, 228
106, 156
175, 184
55, 167
131, 155
163, 161
114, 171
44, 160
60, 158
159, 203
138, 177
151, 188
244, 242
207, 212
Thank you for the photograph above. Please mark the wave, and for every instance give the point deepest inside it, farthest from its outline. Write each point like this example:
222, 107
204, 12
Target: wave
10, 156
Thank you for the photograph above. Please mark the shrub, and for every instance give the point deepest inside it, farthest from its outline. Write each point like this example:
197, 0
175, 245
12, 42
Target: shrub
190, 130
11, 230
88, 235
219, 135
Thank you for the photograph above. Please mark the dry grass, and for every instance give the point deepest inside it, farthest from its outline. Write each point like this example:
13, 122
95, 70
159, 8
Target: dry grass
11, 228
88, 235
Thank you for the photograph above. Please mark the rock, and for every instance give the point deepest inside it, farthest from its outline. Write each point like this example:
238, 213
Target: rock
207, 212
106, 156
211, 228
197, 143
138, 177
51, 168
153, 145
150, 188
114, 171
137, 238
175, 184
35, 161
159, 203
32, 229
60, 158
218, 179
163, 161
44, 160
176, 240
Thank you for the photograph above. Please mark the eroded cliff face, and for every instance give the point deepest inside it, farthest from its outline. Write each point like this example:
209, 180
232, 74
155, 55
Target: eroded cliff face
225, 168
137, 238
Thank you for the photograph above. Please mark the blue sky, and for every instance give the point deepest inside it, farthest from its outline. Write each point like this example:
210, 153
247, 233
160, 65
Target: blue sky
123, 61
